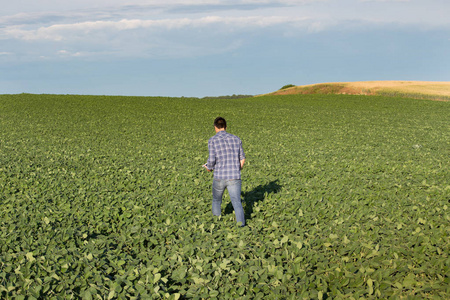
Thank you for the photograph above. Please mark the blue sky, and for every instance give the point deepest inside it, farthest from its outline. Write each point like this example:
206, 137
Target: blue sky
210, 48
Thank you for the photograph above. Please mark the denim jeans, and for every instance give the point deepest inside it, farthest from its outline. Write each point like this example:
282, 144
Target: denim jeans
234, 190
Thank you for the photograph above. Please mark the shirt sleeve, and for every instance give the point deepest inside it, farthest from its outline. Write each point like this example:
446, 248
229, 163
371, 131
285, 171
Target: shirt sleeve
241, 151
211, 163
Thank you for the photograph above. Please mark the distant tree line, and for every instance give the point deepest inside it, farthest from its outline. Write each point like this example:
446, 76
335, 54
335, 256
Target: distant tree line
228, 97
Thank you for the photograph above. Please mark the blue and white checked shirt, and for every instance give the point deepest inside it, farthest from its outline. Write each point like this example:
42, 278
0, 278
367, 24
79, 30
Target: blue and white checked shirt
225, 155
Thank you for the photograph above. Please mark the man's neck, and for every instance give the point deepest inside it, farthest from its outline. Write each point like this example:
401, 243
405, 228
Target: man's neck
220, 129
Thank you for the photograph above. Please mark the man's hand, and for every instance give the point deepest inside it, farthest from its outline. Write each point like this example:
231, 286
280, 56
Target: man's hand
204, 166
242, 163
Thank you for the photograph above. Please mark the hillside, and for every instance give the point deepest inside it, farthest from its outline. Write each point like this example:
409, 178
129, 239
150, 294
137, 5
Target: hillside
433, 90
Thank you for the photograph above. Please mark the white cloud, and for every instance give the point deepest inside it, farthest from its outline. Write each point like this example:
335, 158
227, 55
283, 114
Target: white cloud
60, 32
175, 37
394, 11
384, 0
192, 27
66, 53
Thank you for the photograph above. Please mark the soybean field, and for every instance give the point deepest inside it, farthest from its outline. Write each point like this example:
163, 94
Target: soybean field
103, 197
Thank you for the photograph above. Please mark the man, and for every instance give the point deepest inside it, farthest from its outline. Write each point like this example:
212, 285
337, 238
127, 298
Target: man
226, 158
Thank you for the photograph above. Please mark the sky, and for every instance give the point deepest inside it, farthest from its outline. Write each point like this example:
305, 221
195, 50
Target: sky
198, 48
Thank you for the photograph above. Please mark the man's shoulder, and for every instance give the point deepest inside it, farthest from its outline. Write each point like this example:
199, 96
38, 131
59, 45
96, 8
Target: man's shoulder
214, 140
224, 136
214, 137
235, 137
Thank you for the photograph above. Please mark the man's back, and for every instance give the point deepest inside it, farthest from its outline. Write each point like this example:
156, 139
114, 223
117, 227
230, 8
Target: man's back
225, 154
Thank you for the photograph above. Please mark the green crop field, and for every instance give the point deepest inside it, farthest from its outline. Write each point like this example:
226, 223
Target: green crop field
346, 197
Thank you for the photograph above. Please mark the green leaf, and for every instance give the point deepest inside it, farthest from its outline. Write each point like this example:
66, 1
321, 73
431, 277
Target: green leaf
370, 285
157, 277
213, 293
30, 257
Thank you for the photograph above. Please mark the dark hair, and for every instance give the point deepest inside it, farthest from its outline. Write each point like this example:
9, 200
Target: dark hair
220, 123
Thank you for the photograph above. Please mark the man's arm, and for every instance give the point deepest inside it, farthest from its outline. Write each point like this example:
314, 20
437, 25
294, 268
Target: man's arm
242, 163
241, 155
211, 163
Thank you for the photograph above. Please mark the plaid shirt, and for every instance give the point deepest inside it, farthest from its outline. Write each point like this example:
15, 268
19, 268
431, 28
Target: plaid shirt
225, 155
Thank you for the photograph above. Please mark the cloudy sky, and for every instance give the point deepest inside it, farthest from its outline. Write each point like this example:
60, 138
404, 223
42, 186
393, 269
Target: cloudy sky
211, 47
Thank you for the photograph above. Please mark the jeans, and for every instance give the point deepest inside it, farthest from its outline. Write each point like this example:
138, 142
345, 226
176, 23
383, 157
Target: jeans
234, 190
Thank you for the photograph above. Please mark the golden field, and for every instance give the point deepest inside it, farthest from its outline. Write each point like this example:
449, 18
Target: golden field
434, 90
